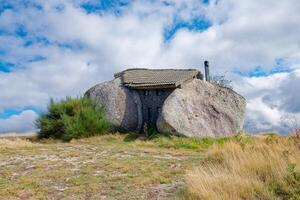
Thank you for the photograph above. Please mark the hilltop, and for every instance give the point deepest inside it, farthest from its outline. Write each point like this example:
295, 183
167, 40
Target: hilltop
123, 166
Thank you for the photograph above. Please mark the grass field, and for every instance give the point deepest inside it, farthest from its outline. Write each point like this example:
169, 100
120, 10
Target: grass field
126, 167
266, 167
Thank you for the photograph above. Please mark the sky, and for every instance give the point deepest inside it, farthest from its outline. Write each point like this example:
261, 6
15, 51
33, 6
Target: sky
58, 48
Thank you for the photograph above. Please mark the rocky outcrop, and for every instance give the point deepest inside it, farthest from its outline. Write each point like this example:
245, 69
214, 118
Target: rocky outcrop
198, 109
202, 109
122, 105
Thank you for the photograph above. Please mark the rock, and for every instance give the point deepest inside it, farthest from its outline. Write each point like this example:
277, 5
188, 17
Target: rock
122, 106
202, 109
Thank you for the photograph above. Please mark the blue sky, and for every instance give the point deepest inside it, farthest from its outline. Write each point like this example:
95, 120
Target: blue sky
61, 48
12, 111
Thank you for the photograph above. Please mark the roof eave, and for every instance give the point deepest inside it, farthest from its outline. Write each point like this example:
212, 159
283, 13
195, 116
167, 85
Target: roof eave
151, 87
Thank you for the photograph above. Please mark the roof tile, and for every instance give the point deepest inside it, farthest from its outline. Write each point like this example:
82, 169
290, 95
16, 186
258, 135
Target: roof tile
156, 78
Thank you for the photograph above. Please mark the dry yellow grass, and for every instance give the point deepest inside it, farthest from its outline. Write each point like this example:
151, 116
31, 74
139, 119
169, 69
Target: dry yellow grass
244, 170
15, 143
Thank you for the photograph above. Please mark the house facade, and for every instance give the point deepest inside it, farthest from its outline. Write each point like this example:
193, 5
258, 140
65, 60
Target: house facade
154, 86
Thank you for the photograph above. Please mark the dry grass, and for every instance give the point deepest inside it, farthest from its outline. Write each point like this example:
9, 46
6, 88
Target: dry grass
18, 135
252, 170
297, 134
14, 143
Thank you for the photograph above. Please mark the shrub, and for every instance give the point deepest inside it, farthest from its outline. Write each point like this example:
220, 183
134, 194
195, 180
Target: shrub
289, 188
72, 118
221, 80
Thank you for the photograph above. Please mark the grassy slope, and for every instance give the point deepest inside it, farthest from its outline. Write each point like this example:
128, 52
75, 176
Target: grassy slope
107, 167
265, 167
104, 166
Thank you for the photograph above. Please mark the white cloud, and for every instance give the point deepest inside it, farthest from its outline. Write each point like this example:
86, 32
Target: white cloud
243, 35
262, 117
272, 101
23, 123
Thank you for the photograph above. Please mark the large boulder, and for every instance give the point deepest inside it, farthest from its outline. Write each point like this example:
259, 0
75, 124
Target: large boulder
202, 109
122, 106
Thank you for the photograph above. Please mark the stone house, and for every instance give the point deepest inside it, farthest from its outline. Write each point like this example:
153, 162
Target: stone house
154, 86
175, 101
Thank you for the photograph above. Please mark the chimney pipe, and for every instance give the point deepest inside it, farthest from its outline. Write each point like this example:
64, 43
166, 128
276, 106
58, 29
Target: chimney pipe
206, 66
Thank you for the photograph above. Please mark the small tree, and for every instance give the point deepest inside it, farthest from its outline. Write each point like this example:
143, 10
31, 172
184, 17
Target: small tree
72, 118
221, 80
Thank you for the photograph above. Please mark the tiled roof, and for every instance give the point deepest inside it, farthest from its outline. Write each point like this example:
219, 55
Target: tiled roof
156, 78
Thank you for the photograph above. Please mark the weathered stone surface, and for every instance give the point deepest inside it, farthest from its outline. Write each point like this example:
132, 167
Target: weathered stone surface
123, 106
202, 109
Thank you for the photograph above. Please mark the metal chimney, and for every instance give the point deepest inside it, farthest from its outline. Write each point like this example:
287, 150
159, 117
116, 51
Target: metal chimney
206, 66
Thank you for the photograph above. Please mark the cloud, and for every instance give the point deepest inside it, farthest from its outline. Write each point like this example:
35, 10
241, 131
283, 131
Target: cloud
23, 123
272, 101
61, 48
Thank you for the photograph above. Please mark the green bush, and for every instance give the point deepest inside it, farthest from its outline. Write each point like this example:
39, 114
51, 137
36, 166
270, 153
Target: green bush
289, 188
72, 118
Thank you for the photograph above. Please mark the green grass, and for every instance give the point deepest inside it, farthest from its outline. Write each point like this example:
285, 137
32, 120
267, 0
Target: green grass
176, 142
188, 143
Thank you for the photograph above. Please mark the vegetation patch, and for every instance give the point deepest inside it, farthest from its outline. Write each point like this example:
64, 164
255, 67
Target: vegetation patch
128, 166
289, 187
99, 167
72, 118
264, 168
